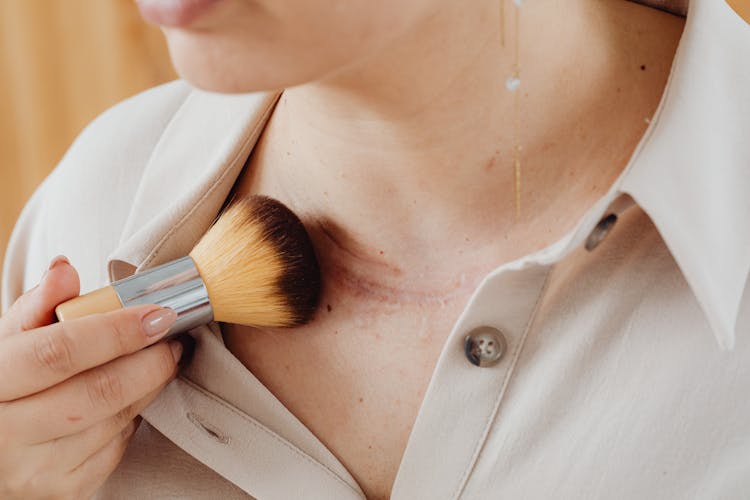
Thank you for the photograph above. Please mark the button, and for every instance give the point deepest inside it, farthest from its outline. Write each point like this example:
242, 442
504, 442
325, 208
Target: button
600, 231
484, 346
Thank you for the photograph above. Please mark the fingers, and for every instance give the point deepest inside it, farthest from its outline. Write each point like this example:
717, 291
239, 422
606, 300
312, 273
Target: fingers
51, 476
51, 354
92, 396
46, 467
77, 448
36, 307
88, 477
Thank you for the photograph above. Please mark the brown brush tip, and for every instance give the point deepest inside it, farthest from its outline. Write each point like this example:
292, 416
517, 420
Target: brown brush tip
259, 265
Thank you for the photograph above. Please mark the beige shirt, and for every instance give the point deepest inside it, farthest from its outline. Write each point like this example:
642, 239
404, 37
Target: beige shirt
627, 369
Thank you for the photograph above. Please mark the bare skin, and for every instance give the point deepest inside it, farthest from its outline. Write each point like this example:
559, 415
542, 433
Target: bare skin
407, 190
70, 391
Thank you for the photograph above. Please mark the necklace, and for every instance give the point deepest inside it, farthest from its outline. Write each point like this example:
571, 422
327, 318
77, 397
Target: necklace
512, 84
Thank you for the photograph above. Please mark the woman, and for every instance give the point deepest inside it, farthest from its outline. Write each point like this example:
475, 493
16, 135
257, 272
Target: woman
476, 339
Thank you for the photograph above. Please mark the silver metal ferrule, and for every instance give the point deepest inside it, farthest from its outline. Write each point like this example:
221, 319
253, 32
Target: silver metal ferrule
176, 285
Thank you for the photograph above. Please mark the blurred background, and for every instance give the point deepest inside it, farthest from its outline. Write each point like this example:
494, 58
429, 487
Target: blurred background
63, 62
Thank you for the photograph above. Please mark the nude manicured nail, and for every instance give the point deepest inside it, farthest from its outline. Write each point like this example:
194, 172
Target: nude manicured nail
58, 260
54, 262
158, 322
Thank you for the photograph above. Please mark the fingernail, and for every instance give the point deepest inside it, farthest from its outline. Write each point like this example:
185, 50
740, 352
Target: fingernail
176, 348
157, 323
54, 262
58, 260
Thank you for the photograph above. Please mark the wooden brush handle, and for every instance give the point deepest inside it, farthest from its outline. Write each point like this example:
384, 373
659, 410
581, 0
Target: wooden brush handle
101, 300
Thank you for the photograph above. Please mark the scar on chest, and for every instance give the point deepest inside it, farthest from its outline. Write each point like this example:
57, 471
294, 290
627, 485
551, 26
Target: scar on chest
334, 246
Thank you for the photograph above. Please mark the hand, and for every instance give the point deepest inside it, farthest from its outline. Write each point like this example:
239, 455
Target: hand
70, 391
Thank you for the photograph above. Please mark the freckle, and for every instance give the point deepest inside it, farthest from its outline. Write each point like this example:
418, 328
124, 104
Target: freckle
329, 307
74, 418
286, 367
336, 332
369, 446
361, 400
643, 67
618, 89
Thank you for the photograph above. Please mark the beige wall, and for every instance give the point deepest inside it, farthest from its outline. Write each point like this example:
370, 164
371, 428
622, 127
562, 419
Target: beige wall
62, 62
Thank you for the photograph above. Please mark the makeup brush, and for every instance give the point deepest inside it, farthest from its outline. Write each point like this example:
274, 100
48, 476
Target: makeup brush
255, 266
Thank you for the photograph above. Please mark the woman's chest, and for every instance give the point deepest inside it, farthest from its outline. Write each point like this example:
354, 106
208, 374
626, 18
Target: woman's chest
355, 378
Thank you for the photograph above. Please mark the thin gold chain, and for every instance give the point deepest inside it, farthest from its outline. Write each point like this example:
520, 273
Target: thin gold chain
512, 84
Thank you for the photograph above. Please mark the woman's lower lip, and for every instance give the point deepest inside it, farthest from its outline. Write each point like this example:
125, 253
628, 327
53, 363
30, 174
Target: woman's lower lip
174, 13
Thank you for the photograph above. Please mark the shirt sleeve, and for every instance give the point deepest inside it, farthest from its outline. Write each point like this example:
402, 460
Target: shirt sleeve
79, 208
22, 266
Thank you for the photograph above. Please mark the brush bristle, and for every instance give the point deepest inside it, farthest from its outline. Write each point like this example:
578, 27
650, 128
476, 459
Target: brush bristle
259, 265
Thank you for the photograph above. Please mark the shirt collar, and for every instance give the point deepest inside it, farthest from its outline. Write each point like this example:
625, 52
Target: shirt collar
690, 173
188, 176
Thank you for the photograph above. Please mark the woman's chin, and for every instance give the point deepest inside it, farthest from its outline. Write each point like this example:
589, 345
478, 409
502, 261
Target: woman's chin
206, 77
218, 74
219, 63
219, 83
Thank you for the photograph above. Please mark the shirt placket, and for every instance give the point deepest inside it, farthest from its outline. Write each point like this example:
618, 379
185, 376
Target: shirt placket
468, 383
465, 393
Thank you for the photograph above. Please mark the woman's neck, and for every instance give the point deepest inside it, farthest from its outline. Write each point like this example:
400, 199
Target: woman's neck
405, 159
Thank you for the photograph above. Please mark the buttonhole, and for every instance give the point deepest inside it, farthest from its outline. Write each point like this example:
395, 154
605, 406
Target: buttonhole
209, 429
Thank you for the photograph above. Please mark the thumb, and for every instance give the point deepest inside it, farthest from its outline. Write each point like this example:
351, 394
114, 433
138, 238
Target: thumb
36, 307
